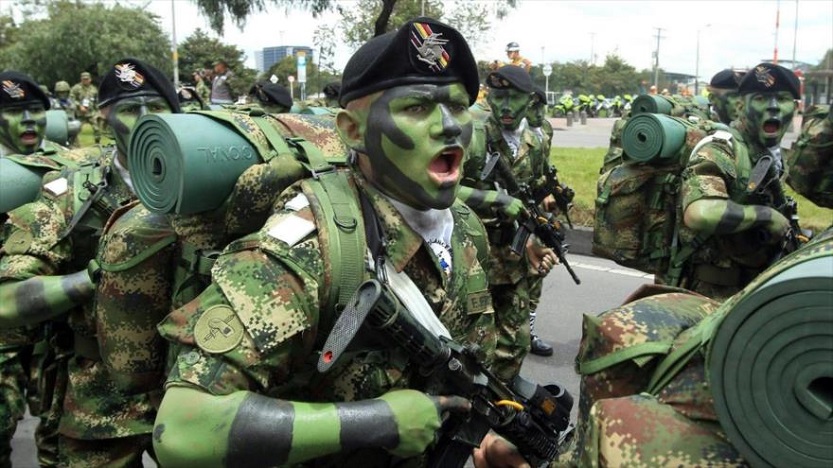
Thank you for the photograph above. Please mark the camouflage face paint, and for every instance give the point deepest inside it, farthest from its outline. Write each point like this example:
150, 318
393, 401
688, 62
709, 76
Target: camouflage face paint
123, 114
416, 138
536, 113
508, 106
767, 116
725, 103
22, 127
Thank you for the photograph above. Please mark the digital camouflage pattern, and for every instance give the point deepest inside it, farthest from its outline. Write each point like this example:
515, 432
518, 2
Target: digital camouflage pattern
92, 408
620, 348
810, 160
283, 329
508, 273
668, 417
22, 370
85, 97
636, 204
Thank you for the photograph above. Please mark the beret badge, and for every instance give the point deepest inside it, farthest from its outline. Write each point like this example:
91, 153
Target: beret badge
429, 47
129, 78
13, 89
763, 76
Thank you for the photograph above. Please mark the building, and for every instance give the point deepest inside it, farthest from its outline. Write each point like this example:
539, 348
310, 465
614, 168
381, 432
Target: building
269, 56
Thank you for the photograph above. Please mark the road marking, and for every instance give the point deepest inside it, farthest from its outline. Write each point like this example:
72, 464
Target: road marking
617, 271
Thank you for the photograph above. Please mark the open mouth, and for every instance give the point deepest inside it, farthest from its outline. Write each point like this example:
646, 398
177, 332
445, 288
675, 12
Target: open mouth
29, 137
445, 167
507, 120
772, 126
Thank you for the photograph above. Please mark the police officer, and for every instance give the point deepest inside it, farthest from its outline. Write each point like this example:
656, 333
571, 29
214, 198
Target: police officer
732, 191
405, 96
221, 92
46, 277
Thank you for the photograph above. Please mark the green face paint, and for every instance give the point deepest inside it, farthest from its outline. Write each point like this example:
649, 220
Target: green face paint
124, 113
767, 116
536, 113
509, 106
725, 103
22, 126
415, 138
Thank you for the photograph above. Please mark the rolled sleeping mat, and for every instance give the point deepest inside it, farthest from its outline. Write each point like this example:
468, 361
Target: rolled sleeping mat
18, 184
57, 126
647, 137
186, 163
651, 104
770, 365
73, 128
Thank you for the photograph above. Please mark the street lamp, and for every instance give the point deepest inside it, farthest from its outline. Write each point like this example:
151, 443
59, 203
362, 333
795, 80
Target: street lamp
697, 62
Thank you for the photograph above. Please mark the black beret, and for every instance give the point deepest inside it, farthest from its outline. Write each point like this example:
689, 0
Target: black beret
272, 93
423, 50
768, 77
332, 90
510, 76
539, 93
726, 79
131, 77
19, 88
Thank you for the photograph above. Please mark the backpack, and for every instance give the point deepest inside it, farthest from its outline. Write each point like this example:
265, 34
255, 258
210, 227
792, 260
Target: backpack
637, 203
810, 160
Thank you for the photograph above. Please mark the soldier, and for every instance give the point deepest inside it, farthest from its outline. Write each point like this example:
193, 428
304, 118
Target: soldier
731, 192
221, 92
85, 95
22, 115
537, 119
272, 97
47, 260
508, 137
405, 96
62, 99
203, 90
723, 95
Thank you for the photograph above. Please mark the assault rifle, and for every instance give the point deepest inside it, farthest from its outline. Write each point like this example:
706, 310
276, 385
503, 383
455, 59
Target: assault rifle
563, 194
536, 419
549, 232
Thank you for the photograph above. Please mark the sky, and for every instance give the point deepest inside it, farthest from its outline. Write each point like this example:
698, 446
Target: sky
737, 34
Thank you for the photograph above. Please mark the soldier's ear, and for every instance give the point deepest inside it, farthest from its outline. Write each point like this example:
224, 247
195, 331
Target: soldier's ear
350, 128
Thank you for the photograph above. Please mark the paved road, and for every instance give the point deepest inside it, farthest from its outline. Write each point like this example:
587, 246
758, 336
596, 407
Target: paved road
604, 285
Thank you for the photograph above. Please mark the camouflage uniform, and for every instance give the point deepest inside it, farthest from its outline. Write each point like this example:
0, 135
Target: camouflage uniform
509, 273
726, 263
88, 413
810, 160
275, 352
87, 96
27, 366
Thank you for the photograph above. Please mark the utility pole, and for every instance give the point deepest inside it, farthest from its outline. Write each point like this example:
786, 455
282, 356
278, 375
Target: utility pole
175, 52
656, 57
592, 43
795, 31
777, 24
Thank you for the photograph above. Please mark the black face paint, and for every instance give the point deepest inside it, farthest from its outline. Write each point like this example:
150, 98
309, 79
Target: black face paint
414, 133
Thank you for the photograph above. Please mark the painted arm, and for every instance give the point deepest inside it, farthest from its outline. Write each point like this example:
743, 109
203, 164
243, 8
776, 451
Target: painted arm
194, 428
33, 300
479, 200
723, 216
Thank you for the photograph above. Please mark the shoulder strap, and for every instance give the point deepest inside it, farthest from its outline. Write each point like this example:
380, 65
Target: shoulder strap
343, 223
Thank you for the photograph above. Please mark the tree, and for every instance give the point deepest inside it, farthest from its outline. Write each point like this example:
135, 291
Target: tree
199, 51
316, 78
78, 37
369, 18
239, 10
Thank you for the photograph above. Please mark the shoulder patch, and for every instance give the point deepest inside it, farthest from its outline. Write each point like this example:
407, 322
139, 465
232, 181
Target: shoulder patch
18, 242
291, 229
218, 330
57, 187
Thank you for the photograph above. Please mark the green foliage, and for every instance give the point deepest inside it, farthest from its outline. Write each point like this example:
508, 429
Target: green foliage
76, 37
239, 10
199, 51
316, 78
365, 19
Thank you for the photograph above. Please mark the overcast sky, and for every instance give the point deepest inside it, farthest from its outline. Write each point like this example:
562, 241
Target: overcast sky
732, 33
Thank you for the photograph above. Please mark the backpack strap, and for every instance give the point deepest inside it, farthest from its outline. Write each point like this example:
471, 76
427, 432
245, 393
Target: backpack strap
342, 216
